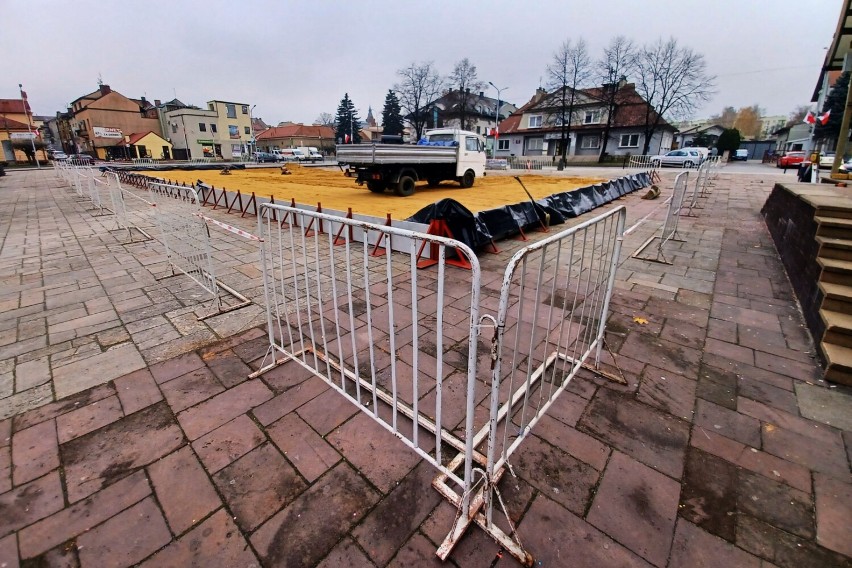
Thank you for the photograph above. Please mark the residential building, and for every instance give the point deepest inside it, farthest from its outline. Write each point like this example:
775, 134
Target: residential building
769, 124
15, 119
145, 145
792, 138
234, 127
536, 128
711, 132
97, 122
194, 133
296, 135
481, 114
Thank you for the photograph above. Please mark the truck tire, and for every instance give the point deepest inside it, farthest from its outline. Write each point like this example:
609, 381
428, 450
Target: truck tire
405, 187
376, 186
467, 179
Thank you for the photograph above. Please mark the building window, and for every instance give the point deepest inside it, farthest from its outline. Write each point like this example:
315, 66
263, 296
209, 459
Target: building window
232, 110
629, 141
202, 127
535, 144
210, 106
245, 109
535, 121
503, 144
247, 130
592, 117
212, 128
590, 142
174, 128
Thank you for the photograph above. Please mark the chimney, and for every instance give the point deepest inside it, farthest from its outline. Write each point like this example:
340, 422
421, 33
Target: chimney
144, 101
105, 90
539, 94
157, 102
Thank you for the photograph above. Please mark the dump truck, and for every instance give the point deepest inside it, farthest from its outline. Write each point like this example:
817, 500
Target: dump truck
442, 154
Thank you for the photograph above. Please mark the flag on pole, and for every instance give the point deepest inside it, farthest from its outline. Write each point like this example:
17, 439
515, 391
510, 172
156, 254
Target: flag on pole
810, 118
346, 139
823, 118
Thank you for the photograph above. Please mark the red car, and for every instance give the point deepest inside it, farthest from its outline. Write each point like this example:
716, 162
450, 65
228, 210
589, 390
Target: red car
791, 159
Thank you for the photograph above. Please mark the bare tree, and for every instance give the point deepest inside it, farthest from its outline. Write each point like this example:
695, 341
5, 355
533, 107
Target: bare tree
726, 118
797, 115
673, 80
618, 63
325, 119
420, 85
568, 71
464, 78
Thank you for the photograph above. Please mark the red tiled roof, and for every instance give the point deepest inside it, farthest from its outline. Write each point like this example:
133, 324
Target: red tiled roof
134, 138
9, 124
13, 106
296, 131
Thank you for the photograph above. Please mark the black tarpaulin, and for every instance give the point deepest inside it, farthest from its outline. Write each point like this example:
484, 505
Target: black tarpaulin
502, 222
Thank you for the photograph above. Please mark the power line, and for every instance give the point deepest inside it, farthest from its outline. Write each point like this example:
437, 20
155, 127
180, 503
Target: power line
766, 70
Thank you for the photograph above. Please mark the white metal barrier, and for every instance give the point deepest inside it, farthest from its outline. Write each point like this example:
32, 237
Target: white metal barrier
402, 344
641, 162
373, 326
118, 199
668, 231
143, 161
698, 189
184, 234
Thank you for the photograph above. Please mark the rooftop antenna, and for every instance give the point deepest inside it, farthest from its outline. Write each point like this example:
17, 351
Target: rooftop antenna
100, 79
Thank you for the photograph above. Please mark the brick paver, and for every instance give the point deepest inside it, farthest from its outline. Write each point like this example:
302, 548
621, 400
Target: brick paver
158, 450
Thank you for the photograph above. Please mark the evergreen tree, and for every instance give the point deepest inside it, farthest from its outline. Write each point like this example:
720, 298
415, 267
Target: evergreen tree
729, 141
835, 102
391, 115
346, 121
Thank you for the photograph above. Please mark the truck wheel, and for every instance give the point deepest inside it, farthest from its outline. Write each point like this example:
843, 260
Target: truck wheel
405, 187
467, 179
376, 186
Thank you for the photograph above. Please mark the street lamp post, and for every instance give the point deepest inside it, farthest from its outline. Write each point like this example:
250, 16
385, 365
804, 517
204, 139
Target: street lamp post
496, 118
252, 143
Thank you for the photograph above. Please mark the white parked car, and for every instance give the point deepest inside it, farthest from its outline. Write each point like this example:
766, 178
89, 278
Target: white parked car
826, 160
682, 158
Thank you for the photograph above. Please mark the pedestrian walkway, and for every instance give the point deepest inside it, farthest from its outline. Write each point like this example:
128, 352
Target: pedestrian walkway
130, 433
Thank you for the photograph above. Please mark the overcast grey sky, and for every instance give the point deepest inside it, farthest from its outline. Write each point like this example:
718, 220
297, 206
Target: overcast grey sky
296, 59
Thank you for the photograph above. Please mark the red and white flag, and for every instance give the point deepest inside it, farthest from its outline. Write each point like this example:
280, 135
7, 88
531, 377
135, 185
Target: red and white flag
810, 118
495, 132
823, 118
346, 139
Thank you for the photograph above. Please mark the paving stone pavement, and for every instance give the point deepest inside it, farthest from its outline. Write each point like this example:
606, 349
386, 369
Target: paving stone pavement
130, 434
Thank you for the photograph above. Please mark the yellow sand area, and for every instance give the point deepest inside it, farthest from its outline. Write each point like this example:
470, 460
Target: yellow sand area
330, 187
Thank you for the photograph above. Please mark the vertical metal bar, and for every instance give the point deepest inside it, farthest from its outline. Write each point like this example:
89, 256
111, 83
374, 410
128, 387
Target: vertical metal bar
391, 329
439, 354
622, 215
368, 298
415, 348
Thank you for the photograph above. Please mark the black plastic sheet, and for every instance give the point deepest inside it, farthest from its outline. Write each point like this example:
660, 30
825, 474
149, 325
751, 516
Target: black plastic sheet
503, 222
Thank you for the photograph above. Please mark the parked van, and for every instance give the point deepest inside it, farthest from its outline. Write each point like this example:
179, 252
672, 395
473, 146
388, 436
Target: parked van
311, 153
288, 155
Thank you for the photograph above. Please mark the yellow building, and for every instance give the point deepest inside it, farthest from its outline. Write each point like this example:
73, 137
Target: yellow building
145, 145
99, 121
233, 126
15, 120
